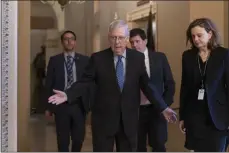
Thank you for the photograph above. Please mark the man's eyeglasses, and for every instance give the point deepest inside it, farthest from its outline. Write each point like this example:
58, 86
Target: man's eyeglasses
115, 38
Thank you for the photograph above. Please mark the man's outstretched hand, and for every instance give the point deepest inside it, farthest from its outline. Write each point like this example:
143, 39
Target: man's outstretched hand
58, 98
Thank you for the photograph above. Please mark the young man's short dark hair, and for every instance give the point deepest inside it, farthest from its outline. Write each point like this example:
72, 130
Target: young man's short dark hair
138, 32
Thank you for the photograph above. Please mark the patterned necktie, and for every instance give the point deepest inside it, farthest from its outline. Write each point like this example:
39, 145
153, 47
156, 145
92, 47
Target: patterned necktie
69, 66
120, 72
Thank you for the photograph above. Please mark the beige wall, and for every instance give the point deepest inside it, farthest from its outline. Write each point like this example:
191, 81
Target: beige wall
84, 20
212, 9
122, 7
171, 36
226, 23
75, 20
40, 9
23, 74
80, 19
89, 27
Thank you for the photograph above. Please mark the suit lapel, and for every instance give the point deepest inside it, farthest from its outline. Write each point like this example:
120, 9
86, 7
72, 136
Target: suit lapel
111, 68
152, 63
62, 71
129, 64
211, 66
195, 66
77, 66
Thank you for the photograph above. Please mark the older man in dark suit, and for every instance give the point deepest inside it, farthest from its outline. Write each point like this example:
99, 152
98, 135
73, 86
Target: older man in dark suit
119, 73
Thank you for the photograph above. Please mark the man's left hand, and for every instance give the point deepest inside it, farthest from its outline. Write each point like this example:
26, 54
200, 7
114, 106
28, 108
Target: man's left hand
170, 115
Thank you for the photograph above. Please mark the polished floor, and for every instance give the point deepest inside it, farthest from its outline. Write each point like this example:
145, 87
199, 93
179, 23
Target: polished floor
43, 138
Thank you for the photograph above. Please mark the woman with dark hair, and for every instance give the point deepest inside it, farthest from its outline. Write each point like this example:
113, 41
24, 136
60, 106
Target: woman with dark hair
204, 95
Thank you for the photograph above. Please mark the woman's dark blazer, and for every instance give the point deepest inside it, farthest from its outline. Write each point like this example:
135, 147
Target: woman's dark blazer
217, 86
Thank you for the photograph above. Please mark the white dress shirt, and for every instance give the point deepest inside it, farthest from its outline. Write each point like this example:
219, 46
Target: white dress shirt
144, 100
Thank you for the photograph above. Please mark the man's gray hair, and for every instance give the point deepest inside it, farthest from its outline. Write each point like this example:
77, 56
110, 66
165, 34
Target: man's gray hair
118, 24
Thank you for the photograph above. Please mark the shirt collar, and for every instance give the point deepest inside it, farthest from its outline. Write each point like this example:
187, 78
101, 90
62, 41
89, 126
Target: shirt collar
146, 52
69, 53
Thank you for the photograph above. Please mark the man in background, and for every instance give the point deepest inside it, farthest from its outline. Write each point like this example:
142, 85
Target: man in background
38, 104
63, 70
152, 123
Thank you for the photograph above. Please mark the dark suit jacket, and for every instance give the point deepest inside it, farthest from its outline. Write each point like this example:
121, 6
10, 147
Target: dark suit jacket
161, 76
217, 81
110, 104
56, 78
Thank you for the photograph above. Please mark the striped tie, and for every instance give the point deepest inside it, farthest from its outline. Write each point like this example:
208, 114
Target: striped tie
69, 66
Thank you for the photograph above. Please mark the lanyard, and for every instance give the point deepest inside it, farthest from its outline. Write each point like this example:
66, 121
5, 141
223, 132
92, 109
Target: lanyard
204, 72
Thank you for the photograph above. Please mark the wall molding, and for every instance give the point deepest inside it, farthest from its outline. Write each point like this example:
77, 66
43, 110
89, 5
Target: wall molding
42, 22
141, 12
8, 75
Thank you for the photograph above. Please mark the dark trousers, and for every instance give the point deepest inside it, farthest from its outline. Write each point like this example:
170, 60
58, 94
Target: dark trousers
70, 124
104, 143
214, 145
154, 126
227, 143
